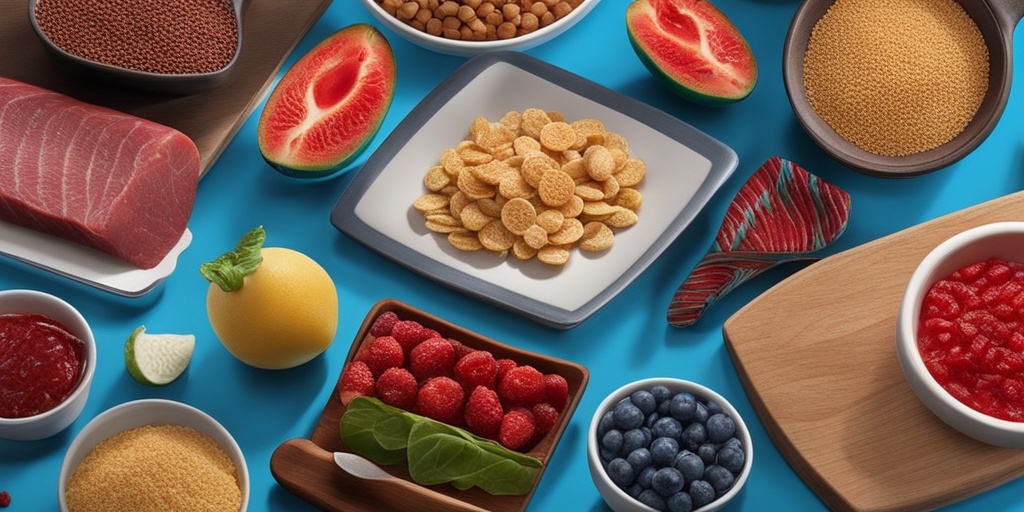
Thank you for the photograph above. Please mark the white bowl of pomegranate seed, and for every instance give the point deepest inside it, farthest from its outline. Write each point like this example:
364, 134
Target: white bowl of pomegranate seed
668, 444
960, 333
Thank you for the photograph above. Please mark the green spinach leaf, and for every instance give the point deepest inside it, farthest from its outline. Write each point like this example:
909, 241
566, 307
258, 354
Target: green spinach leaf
435, 452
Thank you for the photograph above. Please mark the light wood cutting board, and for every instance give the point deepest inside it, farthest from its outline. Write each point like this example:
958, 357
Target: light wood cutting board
817, 356
270, 30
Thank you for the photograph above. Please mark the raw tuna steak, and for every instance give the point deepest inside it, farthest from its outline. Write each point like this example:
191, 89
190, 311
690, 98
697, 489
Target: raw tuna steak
102, 178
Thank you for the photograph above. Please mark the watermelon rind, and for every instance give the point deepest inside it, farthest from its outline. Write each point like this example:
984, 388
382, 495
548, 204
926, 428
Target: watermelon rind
692, 91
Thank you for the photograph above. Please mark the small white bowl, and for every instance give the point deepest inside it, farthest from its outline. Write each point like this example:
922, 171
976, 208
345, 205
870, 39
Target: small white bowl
51, 422
996, 240
619, 500
470, 48
142, 412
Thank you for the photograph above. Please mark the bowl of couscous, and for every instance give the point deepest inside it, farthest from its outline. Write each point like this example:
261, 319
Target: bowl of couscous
899, 88
153, 454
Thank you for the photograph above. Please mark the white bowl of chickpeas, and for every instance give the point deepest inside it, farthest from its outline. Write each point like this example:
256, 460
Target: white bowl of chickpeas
471, 27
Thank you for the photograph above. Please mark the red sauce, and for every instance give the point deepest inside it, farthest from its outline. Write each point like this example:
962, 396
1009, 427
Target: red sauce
971, 336
41, 364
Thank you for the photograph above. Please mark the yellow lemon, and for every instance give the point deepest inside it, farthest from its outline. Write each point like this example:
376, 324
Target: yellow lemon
281, 314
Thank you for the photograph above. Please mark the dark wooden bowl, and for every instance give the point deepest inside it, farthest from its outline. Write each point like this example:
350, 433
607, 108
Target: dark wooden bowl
996, 19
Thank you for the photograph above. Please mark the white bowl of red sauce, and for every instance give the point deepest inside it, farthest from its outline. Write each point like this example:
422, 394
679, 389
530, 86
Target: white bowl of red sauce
47, 361
960, 333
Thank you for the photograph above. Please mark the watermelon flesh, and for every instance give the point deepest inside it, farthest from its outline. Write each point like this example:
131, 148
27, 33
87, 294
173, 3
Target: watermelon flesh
326, 109
694, 48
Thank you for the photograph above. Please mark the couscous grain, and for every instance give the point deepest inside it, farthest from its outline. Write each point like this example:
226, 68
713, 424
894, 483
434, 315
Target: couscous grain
155, 468
896, 77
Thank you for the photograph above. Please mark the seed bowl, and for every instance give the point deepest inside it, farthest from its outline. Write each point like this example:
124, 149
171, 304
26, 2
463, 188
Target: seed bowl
618, 498
168, 83
142, 412
1004, 240
995, 19
56, 419
466, 48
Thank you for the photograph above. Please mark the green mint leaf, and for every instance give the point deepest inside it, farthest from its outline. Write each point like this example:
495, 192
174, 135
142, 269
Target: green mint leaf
228, 271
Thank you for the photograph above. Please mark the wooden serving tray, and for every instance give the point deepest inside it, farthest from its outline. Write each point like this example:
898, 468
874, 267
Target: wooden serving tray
270, 31
817, 356
306, 466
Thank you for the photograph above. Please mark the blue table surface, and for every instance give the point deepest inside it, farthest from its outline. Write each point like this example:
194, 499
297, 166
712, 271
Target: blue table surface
627, 339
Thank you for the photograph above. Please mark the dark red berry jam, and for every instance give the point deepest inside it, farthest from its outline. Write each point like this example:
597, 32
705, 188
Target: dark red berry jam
41, 364
971, 336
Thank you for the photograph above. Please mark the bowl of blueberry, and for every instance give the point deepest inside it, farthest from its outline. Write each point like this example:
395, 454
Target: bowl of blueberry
668, 444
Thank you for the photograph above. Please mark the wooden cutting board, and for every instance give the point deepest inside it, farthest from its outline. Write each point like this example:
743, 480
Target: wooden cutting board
817, 356
270, 30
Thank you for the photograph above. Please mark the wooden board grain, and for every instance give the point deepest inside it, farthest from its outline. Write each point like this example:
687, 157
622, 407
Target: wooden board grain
817, 356
270, 31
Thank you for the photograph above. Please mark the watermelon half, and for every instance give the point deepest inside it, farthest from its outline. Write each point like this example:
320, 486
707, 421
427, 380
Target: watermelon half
328, 106
694, 48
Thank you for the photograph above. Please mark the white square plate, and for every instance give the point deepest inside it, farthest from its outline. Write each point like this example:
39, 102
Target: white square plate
685, 167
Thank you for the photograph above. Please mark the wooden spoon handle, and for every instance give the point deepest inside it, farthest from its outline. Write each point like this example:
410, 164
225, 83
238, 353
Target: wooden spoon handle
309, 471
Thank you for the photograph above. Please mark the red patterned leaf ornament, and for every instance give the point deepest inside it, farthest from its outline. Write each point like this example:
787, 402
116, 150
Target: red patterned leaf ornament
782, 213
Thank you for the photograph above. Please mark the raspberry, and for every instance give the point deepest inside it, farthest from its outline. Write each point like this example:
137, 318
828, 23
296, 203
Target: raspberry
517, 428
522, 386
460, 349
398, 388
504, 365
410, 333
356, 380
484, 412
432, 358
383, 353
545, 416
383, 323
556, 388
476, 368
442, 399
5, 499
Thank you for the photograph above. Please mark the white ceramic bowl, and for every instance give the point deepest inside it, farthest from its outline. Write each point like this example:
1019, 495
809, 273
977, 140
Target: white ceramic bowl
137, 413
619, 500
470, 48
996, 240
51, 422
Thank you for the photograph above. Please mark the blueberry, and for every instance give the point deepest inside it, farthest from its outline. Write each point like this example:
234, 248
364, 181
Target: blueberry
648, 436
620, 472
679, 502
612, 441
690, 465
708, 452
661, 393
607, 455
701, 493
633, 439
721, 479
665, 408
700, 415
652, 499
644, 400
683, 406
714, 408
627, 416
607, 423
693, 436
651, 419
667, 427
643, 479
731, 458
639, 459
664, 450
734, 443
634, 491
667, 481
720, 427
